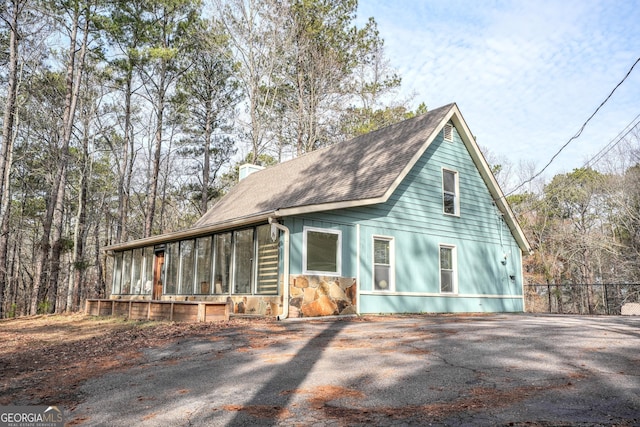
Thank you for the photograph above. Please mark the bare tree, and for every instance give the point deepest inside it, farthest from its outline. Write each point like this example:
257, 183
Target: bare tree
55, 211
254, 28
11, 18
160, 69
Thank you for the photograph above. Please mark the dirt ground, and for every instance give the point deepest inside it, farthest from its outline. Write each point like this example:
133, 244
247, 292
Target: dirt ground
45, 359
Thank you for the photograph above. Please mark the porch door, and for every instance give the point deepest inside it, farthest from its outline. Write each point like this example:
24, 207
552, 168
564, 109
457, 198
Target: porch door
157, 275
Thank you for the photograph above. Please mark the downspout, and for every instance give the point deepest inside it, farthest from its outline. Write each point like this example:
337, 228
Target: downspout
285, 288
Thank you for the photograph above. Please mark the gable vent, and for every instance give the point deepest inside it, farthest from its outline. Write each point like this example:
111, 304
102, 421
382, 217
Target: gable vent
448, 132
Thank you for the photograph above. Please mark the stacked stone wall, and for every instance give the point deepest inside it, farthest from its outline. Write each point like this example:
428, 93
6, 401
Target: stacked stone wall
314, 296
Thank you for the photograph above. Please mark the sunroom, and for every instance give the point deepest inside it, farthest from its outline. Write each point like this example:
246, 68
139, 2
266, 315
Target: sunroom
240, 267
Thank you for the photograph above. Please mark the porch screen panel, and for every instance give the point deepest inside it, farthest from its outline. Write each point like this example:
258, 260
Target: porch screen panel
136, 271
243, 261
203, 265
171, 266
187, 261
126, 272
147, 276
222, 263
267, 272
117, 273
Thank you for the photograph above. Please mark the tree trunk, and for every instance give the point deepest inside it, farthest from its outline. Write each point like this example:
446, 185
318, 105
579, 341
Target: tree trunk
152, 194
206, 167
153, 186
79, 236
6, 155
126, 170
55, 210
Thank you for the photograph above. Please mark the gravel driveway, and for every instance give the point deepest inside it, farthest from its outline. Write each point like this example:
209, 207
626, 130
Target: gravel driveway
533, 370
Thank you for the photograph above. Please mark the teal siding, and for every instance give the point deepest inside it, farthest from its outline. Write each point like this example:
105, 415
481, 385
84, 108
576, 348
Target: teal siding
296, 227
417, 304
414, 217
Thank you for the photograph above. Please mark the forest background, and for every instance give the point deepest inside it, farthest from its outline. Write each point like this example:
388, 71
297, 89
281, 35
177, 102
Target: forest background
126, 119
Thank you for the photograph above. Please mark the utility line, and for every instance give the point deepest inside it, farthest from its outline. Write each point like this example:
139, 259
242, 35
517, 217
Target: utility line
615, 141
596, 158
577, 134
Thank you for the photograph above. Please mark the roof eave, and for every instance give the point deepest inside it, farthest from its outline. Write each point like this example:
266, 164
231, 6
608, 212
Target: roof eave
323, 207
191, 232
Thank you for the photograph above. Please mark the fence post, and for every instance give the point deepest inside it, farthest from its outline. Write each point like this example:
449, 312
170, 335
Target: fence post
549, 295
606, 298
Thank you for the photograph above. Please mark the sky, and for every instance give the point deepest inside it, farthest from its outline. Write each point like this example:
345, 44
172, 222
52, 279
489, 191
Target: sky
526, 74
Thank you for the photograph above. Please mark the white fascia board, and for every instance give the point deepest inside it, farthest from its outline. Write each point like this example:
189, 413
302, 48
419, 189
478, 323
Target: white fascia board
189, 233
323, 207
489, 179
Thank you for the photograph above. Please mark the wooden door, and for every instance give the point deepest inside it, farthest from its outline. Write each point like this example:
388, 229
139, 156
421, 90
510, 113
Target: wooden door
157, 275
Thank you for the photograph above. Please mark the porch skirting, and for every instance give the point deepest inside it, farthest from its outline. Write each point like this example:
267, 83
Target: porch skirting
178, 311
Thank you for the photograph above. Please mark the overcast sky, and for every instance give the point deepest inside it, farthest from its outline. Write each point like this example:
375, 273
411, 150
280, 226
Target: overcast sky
526, 74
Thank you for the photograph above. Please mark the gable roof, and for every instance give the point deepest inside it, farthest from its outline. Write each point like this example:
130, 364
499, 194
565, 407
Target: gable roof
365, 170
361, 170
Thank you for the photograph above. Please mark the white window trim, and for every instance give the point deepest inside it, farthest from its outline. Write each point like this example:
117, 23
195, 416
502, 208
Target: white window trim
392, 264
457, 195
337, 273
454, 260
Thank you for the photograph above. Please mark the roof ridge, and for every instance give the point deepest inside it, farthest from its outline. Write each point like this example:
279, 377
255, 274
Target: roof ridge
362, 168
368, 135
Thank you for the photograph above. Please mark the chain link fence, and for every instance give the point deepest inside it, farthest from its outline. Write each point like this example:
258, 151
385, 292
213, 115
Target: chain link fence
600, 298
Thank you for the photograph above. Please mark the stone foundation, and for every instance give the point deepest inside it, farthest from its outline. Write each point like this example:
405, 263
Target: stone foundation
309, 296
314, 296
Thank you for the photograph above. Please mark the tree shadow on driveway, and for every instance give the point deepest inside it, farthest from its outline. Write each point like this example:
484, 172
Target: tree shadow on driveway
286, 379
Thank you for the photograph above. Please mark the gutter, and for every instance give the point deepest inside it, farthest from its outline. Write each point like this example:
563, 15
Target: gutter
285, 288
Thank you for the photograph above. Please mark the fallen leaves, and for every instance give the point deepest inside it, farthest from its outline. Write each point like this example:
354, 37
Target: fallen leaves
44, 359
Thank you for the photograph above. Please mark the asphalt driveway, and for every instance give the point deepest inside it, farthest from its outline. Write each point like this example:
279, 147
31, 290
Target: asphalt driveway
532, 370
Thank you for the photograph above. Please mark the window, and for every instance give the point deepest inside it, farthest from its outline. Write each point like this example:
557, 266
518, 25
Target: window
126, 272
321, 254
136, 272
133, 272
203, 265
448, 132
147, 275
171, 268
383, 264
450, 192
186, 267
222, 263
242, 261
117, 273
447, 269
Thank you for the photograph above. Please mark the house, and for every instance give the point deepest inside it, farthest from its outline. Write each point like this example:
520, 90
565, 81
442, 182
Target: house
405, 219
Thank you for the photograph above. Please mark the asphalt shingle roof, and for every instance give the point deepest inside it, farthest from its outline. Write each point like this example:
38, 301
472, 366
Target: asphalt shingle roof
356, 170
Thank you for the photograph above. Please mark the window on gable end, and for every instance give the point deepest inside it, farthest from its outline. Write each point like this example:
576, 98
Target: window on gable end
450, 192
